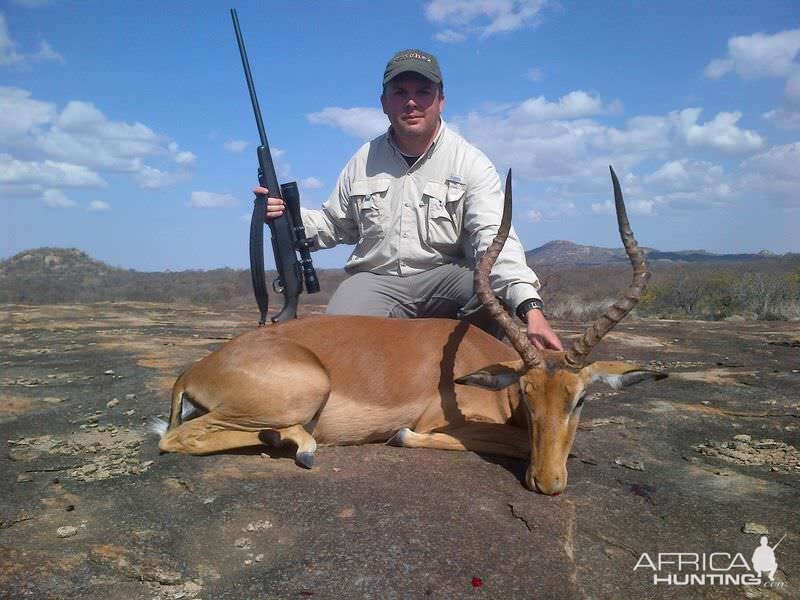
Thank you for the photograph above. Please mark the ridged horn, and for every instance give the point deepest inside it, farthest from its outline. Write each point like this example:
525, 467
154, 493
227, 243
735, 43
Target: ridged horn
516, 336
577, 354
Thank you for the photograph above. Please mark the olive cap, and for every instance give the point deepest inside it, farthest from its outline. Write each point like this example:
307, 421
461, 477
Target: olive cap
413, 60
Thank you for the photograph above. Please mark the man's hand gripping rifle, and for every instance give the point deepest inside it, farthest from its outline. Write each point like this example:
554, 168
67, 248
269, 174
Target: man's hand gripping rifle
288, 233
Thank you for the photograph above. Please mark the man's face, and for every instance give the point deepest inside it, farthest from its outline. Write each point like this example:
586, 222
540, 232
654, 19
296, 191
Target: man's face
413, 105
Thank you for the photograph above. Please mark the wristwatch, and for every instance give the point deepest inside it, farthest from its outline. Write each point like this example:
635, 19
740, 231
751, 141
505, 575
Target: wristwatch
529, 304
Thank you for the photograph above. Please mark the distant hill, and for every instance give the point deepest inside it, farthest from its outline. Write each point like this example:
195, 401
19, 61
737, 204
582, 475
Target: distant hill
56, 275
562, 253
54, 262
64, 275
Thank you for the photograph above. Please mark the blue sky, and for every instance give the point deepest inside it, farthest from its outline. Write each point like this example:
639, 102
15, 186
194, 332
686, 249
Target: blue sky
126, 130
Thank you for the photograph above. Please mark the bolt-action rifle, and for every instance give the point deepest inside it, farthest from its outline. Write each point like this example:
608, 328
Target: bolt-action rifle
288, 234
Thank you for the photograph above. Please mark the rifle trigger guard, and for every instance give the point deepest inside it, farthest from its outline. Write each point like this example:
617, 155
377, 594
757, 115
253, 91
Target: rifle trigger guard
277, 285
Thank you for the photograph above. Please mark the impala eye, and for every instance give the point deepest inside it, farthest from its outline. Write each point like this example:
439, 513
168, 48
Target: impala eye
580, 401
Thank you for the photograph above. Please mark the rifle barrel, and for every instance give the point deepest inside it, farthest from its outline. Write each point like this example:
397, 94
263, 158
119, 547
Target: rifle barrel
251, 88
779, 541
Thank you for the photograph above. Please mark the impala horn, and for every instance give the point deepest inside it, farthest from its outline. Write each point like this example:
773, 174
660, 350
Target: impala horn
577, 354
516, 336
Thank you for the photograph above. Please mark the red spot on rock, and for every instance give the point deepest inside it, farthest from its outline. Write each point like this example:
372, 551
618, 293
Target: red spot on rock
477, 582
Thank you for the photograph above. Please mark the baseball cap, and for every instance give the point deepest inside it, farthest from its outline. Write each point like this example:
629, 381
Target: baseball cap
414, 60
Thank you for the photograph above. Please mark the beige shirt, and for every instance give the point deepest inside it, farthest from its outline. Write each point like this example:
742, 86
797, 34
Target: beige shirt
404, 220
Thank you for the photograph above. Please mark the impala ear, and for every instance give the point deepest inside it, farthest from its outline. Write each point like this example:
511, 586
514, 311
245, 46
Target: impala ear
495, 377
621, 375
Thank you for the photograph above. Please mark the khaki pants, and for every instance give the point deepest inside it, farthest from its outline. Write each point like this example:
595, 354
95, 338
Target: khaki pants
446, 291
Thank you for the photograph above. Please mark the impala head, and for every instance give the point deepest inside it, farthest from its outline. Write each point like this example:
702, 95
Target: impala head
553, 384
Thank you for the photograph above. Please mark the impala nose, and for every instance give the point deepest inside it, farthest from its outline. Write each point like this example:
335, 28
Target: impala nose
550, 486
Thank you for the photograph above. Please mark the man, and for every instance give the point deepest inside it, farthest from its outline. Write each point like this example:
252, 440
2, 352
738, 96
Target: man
419, 203
764, 559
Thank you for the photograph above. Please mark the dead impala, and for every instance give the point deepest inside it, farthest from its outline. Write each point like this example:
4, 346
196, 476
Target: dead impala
353, 380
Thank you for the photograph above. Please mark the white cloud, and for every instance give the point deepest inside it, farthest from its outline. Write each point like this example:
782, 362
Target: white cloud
779, 162
785, 119
283, 169
56, 199
761, 55
9, 56
573, 105
8, 53
235, 146
150, 178
211, 200
82, 133
792, 90
566, 145
99, 206
534, 74
181, 157
720, 133
19, 113
635, 207
359, 122
185, 158
552, 141
706, 180
311, 183
687, 184
718, 67
551, 209
48, 172
46, 52
450, 36
482, 17
533, 215
80, 140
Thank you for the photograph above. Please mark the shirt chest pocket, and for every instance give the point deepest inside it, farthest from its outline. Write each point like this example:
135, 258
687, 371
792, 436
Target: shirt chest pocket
369, 200
445, 209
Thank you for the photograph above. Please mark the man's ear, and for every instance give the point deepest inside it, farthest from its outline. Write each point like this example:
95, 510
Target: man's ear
495, 377
620, 375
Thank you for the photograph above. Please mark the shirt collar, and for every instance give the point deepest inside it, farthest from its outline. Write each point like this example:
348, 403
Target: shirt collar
434, 144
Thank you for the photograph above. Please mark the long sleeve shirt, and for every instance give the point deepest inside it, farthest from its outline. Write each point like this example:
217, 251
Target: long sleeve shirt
403, 220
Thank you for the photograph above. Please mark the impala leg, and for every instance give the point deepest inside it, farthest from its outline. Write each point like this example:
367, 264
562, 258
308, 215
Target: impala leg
306, 444
205, 435
488, 438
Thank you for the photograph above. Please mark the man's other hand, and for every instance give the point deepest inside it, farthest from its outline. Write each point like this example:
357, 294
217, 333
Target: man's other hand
540, 333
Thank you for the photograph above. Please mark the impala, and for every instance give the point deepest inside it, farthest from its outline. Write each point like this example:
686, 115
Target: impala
423, 383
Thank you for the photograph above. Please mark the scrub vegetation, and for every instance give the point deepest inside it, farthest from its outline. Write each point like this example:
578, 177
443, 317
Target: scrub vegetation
758, 288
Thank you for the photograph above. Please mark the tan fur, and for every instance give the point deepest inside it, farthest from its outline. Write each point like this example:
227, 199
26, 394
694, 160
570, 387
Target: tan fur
367, 378
351, 380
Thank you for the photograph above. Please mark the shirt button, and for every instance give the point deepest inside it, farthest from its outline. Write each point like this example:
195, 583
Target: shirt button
405, 235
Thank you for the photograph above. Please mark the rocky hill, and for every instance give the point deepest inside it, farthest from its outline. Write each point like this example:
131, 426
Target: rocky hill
53, 275
56, 275
54, 262
562, 253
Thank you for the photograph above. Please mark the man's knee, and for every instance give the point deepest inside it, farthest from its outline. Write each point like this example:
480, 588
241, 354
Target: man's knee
359, 295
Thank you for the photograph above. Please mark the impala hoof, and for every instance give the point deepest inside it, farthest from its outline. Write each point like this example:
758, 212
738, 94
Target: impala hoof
305, 459
399, 438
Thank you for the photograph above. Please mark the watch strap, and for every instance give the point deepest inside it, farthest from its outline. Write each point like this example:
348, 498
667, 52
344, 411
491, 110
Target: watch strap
527, 305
